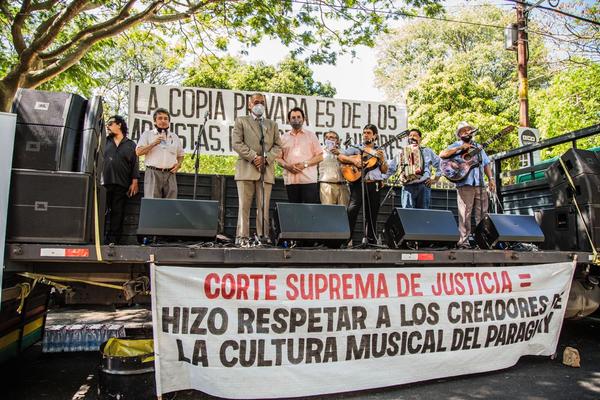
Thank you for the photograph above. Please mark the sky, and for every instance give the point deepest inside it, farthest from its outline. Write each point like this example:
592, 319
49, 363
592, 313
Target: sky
352, 77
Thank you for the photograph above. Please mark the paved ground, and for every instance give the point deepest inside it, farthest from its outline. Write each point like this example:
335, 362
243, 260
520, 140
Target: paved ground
69, 376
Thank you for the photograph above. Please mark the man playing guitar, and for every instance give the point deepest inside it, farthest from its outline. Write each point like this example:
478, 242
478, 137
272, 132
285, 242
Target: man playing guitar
372, 177
470, 189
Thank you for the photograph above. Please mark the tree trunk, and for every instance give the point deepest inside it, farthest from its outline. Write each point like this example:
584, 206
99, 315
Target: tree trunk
8, 89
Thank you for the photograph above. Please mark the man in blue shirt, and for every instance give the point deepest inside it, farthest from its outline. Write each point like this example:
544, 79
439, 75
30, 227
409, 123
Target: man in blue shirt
373, 179
471, 190
416, 185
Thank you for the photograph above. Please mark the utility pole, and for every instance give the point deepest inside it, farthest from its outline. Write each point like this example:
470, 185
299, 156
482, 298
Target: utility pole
522, 58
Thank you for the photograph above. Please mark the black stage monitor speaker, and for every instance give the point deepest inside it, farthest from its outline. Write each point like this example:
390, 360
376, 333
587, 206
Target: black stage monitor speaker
48, 129
327, 224
504, 229
93, 138
435, 227
578, 162
193, 219
49, 207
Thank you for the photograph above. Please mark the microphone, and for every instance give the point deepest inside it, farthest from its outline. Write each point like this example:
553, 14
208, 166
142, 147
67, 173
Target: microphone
206, 115
348, 142
474, 131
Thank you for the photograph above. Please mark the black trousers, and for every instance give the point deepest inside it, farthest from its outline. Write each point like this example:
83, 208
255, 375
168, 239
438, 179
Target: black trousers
116, 199
372, 198
305, 193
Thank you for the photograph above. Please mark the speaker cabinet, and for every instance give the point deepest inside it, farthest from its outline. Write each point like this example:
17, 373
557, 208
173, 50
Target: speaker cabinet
586, 191
559, 226
565, 230
38, 107
90, 155
50, 148
310, 223
50, 207
429, 227
505, 229
578, 162
192, 219
48, 129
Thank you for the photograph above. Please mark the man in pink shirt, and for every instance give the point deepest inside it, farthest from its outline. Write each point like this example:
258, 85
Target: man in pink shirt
300, 157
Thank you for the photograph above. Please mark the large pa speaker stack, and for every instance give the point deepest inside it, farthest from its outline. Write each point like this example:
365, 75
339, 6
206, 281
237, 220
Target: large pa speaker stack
58, 153
583, 167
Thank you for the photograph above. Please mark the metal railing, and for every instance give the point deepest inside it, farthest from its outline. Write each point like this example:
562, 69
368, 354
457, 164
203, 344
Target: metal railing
529, 150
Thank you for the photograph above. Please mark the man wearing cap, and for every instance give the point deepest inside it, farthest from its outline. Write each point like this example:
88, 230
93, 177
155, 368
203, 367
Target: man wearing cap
470, 190
163, 157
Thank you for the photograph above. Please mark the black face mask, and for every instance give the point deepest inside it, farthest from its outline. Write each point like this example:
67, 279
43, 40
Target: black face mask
161, 130
466, 138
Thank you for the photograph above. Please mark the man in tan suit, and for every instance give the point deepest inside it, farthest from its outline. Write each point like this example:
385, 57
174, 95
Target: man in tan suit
252, 166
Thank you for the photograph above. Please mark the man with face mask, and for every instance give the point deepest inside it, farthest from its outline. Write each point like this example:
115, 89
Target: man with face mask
119, 176
332, 185
163, 157
253, 134
469, 190
301, 153
416, 192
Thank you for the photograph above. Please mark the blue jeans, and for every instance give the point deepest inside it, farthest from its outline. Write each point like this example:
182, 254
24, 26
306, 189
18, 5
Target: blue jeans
417, 195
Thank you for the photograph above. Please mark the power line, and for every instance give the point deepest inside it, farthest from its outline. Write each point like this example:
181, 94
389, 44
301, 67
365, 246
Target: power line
566, 14
417, 16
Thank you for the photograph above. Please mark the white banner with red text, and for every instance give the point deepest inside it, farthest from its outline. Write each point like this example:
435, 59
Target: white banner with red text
246, 333
190, 106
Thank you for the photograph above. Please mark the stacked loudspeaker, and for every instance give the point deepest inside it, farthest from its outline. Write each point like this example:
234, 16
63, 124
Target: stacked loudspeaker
567, 228
57, 167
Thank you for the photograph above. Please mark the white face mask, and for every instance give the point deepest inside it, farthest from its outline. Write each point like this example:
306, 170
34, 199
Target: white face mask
258, 110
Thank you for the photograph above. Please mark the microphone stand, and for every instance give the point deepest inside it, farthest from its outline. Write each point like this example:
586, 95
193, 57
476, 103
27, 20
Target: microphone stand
481, 185
196, 153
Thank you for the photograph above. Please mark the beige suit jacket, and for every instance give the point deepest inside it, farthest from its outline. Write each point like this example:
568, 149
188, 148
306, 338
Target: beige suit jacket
246, 142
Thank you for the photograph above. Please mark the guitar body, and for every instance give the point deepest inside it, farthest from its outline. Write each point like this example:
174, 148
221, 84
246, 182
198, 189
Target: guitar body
457, 167
352, 173
370, 161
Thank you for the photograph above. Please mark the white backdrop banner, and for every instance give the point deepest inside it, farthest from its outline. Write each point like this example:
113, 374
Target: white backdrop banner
265, 333
189, 106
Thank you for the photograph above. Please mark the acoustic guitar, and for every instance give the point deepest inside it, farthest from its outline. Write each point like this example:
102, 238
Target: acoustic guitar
457, 167
369, 160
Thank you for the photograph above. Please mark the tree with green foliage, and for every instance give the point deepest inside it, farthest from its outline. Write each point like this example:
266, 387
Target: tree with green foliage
289, 76
156, 63
40, 39
570, 102
449, 72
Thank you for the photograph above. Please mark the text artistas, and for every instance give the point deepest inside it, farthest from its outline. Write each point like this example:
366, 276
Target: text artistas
260, 320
